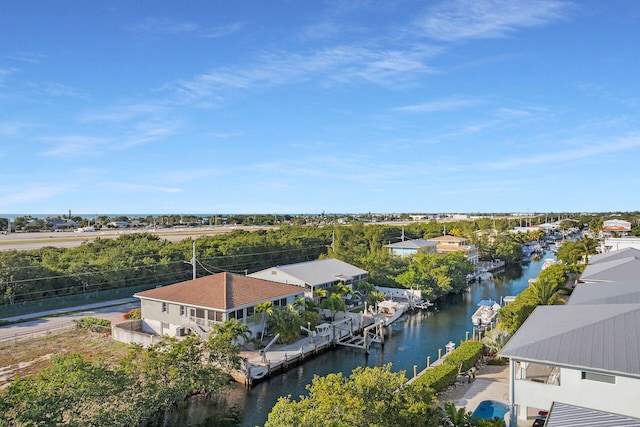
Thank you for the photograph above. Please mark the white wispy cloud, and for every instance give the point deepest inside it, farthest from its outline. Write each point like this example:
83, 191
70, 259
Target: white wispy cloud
28, 57
123, 113
74, 145
34, 193
165, 26
600, 148
14, 128
134, 187
482, 19
446, 104
331, 65
58, 90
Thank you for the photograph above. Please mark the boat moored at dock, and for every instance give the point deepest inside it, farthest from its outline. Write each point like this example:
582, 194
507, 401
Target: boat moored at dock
486, 313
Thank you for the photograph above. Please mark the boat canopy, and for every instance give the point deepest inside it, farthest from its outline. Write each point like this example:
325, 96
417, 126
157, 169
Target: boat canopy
486, 302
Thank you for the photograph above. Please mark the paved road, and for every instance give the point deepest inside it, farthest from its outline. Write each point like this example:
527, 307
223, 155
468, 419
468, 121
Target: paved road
41, 324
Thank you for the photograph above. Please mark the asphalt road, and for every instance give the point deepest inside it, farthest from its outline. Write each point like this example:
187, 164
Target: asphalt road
41, 325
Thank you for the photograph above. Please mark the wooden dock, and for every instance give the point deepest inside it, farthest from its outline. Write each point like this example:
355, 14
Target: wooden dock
356, 331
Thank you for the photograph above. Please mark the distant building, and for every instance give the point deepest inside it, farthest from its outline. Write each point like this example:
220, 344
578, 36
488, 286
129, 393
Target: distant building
447, 244
613, 227
411, 247
314, 275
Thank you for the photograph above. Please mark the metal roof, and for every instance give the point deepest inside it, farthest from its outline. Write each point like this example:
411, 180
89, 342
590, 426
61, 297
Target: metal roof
602, 337
322, 271
412, 244
613, 270
565, 415
626, 292
612, 255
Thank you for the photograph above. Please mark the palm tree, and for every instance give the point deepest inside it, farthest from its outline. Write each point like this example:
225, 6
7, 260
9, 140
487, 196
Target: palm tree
453, 417
341, 289
264, 310
375, 297
495, 339
587, 247
545, 292
334, 303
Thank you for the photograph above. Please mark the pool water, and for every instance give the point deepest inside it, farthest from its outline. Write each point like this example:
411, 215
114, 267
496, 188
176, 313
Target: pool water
489, 409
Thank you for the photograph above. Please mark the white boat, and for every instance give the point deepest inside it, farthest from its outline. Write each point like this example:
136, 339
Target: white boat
391, 310
548, 262
486, 313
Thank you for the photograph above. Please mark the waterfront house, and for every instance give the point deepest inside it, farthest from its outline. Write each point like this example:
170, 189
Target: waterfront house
618, 243
411, 247
314, 275
447, 244
585, 354
198, 304
613, 266
582, 354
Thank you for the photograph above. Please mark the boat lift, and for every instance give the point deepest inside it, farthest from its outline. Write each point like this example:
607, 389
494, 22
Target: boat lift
263, 352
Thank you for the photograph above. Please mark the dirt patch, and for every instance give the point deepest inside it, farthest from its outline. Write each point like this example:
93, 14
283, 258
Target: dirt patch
28, 357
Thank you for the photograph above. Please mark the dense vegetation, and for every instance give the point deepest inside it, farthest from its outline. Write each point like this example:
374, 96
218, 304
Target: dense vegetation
76, 392
375, 397
145, 259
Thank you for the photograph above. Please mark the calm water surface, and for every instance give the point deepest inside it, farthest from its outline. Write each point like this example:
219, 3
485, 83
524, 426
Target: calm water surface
412, 339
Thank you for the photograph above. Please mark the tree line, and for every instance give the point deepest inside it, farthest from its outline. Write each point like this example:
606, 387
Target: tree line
145, 259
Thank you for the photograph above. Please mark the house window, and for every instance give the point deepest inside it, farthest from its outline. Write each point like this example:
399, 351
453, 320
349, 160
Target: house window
232, 315
603, 378
250, 311
283, 302
240, 314
165, 308
183, 311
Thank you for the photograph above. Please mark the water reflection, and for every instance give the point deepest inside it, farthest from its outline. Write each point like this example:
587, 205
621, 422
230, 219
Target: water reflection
411, 340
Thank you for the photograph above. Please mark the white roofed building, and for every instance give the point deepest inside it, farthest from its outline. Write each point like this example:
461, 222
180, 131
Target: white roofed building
411, 247
314, 275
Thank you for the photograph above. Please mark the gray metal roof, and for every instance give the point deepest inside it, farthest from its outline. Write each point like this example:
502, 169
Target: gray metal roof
613, 255
603, 337
565, 415
412, 244
614, 270
627, 292
322, 271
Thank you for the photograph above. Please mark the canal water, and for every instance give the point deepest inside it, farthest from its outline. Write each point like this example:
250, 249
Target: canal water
411, 339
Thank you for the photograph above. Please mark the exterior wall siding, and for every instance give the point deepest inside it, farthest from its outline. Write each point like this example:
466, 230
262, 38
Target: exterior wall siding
620, 398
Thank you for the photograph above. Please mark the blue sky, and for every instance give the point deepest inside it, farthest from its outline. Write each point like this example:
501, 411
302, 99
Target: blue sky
310, 106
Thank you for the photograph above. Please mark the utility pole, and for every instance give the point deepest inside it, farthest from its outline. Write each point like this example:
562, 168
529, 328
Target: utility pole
193, 260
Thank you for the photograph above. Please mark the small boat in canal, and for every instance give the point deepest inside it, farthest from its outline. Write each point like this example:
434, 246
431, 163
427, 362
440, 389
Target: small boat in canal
486, 313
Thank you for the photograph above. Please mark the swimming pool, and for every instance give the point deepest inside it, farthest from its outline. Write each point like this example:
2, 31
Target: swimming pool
489, 409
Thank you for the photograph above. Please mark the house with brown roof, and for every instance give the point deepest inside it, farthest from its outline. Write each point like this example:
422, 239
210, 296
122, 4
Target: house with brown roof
447, 244
201, 303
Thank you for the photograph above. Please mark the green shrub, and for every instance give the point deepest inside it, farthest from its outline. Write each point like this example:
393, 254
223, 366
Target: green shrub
135, 314
437, 378
466, 354
94, 324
